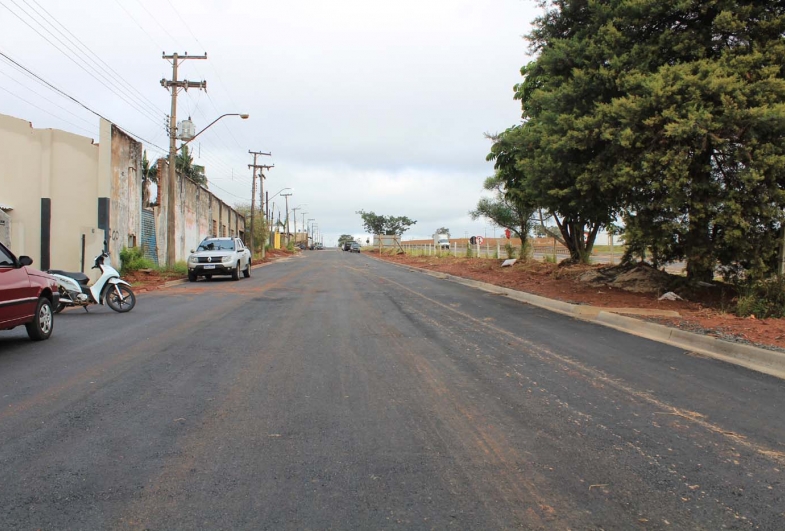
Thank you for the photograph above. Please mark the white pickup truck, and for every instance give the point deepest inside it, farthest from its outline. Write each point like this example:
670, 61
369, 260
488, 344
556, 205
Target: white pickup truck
219, 256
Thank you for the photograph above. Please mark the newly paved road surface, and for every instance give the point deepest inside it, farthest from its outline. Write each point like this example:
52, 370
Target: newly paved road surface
333, 391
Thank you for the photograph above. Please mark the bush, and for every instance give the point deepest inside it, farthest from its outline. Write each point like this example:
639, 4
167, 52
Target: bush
133, 260
510, 250
469, 253
762, 298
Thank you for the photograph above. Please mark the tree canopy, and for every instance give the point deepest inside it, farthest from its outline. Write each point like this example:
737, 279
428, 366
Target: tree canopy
669, 115
184, 163
505, 209
385, 225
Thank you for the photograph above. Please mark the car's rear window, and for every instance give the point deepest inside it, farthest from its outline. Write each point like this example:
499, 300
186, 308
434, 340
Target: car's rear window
216, 245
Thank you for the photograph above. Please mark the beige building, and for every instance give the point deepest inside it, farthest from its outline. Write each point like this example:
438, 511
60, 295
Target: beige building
62, 195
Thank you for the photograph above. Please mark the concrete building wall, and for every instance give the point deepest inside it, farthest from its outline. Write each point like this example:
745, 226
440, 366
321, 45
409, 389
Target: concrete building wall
59, 189
125, 215
200, 214
62, 167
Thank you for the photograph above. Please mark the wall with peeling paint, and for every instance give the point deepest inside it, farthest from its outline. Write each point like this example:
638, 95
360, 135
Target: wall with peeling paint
200, 214
75, 173
125, 216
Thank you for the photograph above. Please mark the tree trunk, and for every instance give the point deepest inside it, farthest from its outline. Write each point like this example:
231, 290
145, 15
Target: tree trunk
699, 245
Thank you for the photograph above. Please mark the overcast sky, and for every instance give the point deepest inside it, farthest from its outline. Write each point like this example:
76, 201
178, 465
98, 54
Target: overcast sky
364, 104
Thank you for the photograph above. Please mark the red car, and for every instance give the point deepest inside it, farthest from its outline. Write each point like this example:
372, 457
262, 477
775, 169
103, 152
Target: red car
27, 296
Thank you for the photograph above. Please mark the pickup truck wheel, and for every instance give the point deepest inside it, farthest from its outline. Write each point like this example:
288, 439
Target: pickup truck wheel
191, 277
247, 270
236, 271
42, 324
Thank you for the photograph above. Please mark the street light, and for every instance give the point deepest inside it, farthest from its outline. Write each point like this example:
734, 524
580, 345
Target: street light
244, 116
171, 255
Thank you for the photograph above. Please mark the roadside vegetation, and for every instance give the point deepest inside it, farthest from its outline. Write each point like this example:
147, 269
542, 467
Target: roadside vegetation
666, 117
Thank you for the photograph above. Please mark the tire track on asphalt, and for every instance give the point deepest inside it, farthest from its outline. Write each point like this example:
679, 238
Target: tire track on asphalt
548, 355
159, 506
485, 455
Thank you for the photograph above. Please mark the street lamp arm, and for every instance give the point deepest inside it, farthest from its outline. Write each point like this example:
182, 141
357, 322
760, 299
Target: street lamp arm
243, 116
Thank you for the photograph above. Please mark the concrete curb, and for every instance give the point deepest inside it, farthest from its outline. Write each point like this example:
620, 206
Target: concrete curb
754, 358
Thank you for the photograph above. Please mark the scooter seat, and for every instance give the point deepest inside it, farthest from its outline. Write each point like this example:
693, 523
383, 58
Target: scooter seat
81, 278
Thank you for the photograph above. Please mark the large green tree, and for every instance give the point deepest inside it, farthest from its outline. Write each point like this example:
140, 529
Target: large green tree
669, 114
385, 225
697, 130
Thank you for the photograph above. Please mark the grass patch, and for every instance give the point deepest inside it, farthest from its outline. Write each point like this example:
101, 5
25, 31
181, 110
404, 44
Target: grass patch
133, 260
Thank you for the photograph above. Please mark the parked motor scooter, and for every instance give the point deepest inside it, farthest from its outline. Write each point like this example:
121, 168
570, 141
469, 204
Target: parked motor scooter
74, 290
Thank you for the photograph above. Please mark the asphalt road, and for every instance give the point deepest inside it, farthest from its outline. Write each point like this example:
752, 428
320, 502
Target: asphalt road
333, 391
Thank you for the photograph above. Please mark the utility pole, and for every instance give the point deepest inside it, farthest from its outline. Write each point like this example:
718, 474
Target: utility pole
174, 86
288, 238
254, 167
295, 220
263, 197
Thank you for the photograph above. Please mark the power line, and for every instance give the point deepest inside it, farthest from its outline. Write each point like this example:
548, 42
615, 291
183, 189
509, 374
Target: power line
45, 98
141, 97
158, 46
44, 110
59, 91
160, 25
146, 112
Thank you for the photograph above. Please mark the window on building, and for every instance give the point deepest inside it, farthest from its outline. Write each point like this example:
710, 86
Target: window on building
215, 229
223, 231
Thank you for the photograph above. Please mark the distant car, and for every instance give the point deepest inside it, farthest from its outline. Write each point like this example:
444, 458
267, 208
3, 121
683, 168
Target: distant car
219, 256
319, 246
355, 247
347, 246
27, 296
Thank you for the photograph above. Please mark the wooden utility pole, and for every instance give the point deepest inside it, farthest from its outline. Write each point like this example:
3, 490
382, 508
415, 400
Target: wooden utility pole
174, 86
254, 167
288, 237
263, 203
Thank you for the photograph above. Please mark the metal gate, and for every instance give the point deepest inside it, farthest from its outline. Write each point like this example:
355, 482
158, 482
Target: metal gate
149, 245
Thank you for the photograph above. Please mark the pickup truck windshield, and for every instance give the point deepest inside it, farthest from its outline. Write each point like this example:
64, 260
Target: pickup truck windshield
216, 245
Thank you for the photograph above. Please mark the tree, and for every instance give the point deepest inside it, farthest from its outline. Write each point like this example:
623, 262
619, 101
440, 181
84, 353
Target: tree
505, 210
343, 238
261, 231
697, 132
149, 175
443, 230
385, 225
668, 114
184, 164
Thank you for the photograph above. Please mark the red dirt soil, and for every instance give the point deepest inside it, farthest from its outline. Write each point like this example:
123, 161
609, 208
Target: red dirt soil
702, 314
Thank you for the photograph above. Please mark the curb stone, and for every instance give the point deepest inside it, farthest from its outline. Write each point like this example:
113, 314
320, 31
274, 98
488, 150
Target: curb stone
755, 358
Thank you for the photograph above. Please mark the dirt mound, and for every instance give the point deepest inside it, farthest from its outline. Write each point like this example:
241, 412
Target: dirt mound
639, 278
